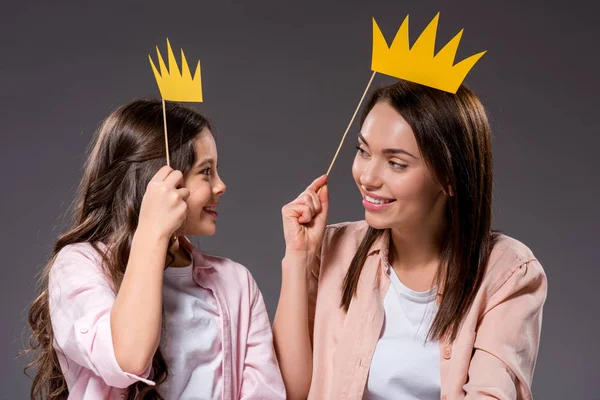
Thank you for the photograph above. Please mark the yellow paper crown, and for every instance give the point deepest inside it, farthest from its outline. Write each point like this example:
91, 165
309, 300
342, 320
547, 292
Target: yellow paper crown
175, 85
418, 64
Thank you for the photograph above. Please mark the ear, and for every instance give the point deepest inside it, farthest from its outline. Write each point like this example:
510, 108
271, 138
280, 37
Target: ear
448, 191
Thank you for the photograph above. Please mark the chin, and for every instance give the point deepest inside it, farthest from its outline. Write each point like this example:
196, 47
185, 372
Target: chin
203, 230
209, 229
376, 222
206, 232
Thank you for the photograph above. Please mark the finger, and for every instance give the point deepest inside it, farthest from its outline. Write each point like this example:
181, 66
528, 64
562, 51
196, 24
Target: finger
324, 195
174, 179
162, 174
306, 199
300, 212
184, 193
324, 201
316, 202
318, 183
306, 214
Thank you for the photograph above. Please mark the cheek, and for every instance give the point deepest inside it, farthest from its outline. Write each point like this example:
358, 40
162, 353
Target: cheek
412, 186
199, 197
357, 169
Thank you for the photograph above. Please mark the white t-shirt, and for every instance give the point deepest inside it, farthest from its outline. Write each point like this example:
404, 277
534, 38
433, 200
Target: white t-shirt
404, 365
191, 342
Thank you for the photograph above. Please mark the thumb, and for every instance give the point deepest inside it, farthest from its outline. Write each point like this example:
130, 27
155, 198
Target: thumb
324, 199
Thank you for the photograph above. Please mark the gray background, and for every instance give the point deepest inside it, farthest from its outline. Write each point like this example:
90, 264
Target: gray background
281, 82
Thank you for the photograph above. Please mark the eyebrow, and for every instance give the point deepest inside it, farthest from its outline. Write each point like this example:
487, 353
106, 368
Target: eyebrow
204, 161
388, 151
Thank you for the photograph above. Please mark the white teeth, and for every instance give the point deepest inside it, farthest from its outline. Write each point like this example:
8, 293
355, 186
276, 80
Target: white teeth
210, 209
377, 201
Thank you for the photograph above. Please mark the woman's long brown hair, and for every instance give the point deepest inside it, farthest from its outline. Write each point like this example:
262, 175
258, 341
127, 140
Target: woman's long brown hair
127, 151
454, 137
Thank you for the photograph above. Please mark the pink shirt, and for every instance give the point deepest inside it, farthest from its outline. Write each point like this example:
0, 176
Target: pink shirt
80, 303
493, 356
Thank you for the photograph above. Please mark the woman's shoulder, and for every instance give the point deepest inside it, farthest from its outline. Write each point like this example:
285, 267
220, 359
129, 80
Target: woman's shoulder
349, 233
508, 256
505, 245
340, 244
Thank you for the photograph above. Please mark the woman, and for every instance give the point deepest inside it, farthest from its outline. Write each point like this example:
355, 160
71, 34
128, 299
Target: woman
422, 300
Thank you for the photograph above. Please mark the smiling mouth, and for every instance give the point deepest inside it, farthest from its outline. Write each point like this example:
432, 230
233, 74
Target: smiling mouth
373, 200
211, 210
376, 204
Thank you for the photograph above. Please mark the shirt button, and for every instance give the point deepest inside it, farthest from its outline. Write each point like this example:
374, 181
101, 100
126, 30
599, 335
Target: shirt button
447, 352
83, 330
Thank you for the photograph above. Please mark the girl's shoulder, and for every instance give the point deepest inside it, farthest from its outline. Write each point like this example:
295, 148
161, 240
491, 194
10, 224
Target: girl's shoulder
77, 267
206, 260
83, 253
225, 270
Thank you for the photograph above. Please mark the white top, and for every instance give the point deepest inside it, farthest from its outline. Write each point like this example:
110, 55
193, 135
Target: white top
191, 340
404, 365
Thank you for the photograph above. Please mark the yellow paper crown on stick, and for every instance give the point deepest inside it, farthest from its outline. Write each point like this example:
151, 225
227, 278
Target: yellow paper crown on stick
175, 85
419, 64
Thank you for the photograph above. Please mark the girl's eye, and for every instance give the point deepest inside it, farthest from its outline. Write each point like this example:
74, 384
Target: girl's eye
206, 171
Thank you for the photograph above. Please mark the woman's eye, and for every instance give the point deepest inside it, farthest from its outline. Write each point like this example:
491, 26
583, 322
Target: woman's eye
397, 166
361, 152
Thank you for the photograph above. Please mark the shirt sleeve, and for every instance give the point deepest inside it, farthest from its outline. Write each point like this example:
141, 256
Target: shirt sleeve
261, 378
508, 337
80, 300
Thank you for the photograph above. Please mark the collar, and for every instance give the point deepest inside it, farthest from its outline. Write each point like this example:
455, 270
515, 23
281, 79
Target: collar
198, 258
381, 246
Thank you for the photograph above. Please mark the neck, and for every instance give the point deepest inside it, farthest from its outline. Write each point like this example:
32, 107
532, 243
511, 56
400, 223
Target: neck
181, 254
417, 248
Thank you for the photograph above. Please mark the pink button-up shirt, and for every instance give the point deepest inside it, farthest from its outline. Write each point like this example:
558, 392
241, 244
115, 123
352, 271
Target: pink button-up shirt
81, 301
493, 356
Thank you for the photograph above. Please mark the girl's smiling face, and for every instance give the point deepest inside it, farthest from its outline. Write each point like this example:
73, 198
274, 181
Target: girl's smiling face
205, 186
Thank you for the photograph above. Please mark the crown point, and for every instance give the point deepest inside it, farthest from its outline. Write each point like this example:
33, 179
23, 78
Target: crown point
176, 85
418, 63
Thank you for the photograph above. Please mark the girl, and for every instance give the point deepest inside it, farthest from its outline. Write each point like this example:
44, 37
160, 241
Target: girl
125, 311
422, 300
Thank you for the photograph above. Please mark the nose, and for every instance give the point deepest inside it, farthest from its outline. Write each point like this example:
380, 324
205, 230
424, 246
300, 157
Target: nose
370, 178
219, 188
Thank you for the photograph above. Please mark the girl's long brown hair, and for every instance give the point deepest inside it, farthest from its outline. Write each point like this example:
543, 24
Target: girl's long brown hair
127, 151
454, 137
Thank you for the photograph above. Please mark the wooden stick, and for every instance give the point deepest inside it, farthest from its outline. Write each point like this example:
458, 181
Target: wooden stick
351, 121
166, 136
174, 237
